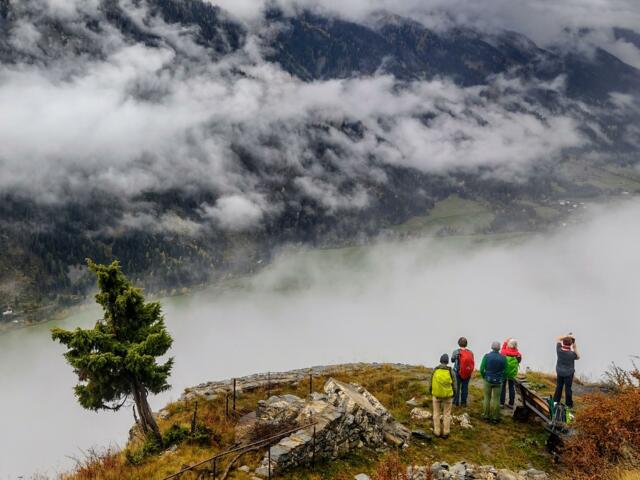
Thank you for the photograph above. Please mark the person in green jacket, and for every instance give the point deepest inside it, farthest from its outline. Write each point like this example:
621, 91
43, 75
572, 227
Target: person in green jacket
514, 357
441, 389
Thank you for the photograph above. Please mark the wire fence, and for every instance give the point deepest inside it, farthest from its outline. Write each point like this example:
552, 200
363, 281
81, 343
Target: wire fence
210, 467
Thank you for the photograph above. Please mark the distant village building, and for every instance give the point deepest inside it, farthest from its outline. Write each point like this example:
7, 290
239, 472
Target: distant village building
8, 313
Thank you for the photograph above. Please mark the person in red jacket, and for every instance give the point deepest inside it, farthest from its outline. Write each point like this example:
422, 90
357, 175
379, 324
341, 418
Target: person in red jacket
514, 357
463, 366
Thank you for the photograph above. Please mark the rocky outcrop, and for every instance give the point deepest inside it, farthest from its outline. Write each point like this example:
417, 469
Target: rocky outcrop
464, 471
345, 417
279, 410
216, 389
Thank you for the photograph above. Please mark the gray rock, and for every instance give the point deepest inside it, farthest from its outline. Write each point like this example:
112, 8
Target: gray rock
463, 420
422, 435
362, 476
417, 473
459, 470
533, 474
440, 470
244, 468
346, 417
507, 475
420, 414
278, 410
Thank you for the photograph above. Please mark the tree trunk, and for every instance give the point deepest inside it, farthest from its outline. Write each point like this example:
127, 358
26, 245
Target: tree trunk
148, 423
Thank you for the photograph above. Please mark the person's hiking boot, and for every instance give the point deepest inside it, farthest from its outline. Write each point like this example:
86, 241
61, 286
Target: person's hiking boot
495, 421
445, 436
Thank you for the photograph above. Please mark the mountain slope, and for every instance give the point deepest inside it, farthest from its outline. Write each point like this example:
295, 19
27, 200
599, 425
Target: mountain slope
189, 144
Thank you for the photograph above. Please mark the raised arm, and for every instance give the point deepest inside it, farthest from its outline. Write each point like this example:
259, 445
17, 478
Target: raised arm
575, 350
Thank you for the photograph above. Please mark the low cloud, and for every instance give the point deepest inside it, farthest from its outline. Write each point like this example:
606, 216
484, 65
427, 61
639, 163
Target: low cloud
235, 213
139, 118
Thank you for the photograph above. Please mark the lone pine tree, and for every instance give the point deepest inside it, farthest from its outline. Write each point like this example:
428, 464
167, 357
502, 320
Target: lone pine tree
116, 360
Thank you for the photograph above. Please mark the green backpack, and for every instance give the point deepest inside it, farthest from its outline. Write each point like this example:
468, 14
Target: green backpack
511, 370
441, 383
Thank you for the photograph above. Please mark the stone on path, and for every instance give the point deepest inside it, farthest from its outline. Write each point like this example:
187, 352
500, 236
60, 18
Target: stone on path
418, 413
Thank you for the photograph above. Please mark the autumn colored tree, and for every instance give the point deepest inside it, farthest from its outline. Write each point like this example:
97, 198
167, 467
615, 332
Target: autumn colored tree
117, 359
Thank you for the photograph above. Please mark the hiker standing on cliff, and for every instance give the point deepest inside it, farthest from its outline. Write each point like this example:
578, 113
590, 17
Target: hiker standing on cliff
567, 352
463, 366
510, 352
441, 388
492, 371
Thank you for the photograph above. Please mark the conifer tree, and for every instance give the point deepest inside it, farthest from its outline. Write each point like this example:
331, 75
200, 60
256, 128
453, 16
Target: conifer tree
116, 360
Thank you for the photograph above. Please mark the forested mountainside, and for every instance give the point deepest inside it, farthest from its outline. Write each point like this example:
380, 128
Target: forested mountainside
193, 143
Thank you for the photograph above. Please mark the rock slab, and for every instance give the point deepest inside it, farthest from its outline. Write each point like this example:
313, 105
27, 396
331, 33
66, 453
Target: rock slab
346, 417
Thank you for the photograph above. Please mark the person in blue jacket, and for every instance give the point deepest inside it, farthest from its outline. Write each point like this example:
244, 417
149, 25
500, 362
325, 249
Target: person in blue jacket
492, 371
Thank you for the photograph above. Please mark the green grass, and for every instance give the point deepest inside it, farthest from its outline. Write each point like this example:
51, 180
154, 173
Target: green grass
454, 215
604, 177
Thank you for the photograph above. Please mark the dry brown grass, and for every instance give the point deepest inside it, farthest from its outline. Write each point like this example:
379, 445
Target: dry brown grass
391, 468
607, 434
628, 475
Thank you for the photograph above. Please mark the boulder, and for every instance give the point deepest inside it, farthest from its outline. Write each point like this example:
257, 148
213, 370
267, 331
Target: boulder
279, 410
463, 420
356, 400
346, 417
420, 414
533, 474
362, 476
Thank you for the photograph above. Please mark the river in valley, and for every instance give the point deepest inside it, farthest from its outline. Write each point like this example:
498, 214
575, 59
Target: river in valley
396, 302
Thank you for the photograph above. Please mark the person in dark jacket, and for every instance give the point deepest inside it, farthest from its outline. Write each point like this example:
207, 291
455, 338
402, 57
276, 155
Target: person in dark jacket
492, 371
463, 365
567, 352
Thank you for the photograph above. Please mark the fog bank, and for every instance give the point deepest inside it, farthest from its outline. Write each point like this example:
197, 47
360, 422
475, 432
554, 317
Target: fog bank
397, 302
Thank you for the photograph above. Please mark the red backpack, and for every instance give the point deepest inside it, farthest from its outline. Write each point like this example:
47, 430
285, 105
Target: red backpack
466, 364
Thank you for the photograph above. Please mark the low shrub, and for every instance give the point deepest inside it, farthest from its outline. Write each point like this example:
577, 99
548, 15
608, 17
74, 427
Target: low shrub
391, 468
174, 435
607, 434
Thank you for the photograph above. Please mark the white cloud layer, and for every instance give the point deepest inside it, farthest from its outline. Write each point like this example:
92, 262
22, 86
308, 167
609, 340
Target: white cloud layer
141, 118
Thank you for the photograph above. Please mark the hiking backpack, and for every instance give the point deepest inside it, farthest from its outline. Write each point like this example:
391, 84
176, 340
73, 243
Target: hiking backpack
441, 383
466, 364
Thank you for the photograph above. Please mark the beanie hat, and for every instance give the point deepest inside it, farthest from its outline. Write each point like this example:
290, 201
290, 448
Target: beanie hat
495, 346
444, 359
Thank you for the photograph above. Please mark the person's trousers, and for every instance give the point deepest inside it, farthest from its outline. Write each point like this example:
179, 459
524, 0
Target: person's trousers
491, 404
462, 391
565, 382
442, 415
512, 392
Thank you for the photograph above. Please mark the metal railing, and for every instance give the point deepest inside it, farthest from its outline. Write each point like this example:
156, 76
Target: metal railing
264, 442
268, 388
